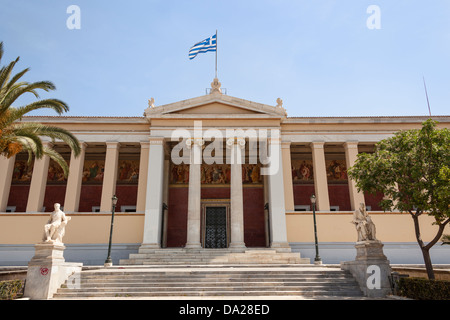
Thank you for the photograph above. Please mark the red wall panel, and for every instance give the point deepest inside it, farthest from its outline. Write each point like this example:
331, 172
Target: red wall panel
18, 197
177, 217
254, 223
339, 196
90, 196
302, 194
54, 194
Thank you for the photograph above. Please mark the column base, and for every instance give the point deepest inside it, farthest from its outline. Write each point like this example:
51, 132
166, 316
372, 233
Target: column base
194, 245
237, 245
150, 246
281, 246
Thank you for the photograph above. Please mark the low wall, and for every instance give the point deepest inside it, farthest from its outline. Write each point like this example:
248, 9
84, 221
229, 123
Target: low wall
87, 236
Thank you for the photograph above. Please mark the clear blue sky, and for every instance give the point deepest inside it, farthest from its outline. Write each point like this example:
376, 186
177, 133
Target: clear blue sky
318, 56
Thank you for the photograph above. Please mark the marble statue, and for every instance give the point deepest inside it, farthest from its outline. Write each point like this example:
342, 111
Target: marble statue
215, 86
56, 225
279, 103
364, 224
151, 103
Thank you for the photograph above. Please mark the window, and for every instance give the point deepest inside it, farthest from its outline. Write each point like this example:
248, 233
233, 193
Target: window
302, 208
127, 208
334, 208
11, 209
95, 209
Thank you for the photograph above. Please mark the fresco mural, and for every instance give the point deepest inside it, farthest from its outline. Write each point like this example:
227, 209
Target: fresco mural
336, 170
302, 171
128, 171
216, 174
93, 171
55, 173
22, 171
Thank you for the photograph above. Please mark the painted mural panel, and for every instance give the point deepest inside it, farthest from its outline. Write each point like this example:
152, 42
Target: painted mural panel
128, 172
93, 171
302, 171
55, 173
336, 170
22, 172
216, 174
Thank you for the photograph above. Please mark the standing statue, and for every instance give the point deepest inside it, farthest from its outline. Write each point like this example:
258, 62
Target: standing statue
56, 226
364, 224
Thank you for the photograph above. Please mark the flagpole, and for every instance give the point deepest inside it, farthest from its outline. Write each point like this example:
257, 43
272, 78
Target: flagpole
426, 93
216, 52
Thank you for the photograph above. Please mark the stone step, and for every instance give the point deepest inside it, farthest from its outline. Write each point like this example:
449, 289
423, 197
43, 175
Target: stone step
178, 256
196, 293
225, 281
214, 284
201, 289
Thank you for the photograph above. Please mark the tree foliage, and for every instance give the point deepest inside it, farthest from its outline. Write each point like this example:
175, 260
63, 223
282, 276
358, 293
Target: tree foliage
412, 169
16, 136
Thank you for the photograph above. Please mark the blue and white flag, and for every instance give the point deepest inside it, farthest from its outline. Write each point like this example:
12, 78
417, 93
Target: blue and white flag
209, 44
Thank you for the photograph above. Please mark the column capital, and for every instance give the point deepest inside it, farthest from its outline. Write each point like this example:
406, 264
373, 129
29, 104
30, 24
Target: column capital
156, 140
194, 141
145, 144
317, 144
83, 145
235, 141
350, 144
112, 144
285, 144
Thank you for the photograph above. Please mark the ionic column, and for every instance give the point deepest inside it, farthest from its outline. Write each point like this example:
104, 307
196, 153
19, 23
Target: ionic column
154, 194
73, 189
287, 176
194, 196
320, 176
38, 184
143, 171
109, 175
236, 194
351, 152
6, 173
277, 209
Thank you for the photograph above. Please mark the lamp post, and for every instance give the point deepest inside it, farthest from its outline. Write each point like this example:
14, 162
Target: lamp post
108, 261
317, 259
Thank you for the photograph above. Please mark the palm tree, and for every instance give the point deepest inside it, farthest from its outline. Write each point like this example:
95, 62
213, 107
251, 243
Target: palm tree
16, 136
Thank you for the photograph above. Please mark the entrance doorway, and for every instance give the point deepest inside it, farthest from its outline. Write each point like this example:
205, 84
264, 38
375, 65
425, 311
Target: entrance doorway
215, 227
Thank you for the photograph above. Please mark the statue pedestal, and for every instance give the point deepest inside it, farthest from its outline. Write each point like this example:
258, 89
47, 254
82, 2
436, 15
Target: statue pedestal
370, 268
47, 270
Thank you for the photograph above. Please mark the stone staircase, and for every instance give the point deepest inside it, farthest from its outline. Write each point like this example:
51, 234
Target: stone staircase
181, 256
230, 281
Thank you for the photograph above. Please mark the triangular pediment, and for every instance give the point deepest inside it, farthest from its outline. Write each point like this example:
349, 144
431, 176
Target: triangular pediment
216, 105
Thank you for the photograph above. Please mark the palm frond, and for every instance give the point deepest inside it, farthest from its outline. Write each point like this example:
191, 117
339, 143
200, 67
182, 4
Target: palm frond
14, 94
55, 156
57, 105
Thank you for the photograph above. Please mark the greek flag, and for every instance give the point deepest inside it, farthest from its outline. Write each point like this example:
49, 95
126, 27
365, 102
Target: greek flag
209, 44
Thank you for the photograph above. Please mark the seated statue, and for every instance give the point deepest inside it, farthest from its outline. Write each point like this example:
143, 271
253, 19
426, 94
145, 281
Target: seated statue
364, 224
56, 225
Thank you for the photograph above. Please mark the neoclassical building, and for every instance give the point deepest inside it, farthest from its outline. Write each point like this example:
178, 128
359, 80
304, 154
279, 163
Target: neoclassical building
213, 171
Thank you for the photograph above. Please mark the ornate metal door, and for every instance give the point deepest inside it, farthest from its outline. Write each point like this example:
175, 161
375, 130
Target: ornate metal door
216, 227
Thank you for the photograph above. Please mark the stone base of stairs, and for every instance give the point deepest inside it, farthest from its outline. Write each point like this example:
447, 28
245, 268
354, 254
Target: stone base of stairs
183, 256
230, 282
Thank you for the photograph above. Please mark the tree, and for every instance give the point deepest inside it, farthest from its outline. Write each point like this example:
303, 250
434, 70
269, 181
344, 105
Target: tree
16, 136
412, 169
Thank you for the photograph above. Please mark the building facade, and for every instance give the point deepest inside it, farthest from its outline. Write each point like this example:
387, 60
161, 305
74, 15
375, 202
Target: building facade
210, 172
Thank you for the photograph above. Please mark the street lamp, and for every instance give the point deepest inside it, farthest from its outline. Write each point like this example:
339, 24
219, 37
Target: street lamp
317, 259
108, 261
